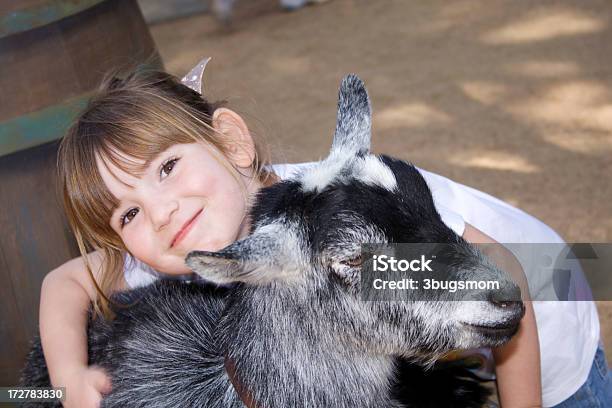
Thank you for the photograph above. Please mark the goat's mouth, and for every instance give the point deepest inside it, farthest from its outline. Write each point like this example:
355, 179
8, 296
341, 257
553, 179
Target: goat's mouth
494, 329
502, 327
496, 332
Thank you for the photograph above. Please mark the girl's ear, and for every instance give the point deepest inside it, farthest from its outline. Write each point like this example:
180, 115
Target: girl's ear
241, 148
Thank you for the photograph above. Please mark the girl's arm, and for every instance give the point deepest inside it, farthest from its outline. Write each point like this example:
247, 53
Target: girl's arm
517, 362
66, 295
518, 366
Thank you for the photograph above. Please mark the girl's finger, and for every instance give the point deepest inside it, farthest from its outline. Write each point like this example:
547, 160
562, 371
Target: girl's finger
101, 381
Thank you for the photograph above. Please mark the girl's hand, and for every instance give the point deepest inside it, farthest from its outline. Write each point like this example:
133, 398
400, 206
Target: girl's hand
66, 295
86, 387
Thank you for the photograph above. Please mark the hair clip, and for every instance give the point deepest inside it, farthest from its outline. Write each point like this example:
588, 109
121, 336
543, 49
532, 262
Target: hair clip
193, 79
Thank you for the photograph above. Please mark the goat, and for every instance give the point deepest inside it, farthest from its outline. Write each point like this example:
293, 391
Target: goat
286, 325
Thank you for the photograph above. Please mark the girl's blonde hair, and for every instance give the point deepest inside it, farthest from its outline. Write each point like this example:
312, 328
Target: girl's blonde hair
137, 117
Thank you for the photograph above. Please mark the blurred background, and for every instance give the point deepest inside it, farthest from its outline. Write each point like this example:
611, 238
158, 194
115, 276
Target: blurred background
512, 98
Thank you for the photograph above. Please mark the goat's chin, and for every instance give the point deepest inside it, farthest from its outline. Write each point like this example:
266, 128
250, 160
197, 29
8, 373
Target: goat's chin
485, 324
474, 336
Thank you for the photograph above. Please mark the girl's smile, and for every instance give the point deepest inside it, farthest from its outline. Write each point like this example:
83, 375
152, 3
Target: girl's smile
185, 229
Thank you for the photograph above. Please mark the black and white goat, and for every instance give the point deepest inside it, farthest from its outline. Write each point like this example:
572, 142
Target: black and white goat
293, 330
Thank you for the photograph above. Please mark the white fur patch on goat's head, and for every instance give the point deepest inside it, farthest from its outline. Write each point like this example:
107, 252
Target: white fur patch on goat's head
370, 170
350, 158
325, 173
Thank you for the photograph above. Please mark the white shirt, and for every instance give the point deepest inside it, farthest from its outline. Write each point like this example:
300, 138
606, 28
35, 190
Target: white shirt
568, 331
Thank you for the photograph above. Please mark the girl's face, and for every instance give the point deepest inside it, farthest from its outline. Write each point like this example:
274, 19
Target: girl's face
185, 200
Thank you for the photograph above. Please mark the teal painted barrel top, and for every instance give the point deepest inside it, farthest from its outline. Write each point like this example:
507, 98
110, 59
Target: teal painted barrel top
35, 128
29, 17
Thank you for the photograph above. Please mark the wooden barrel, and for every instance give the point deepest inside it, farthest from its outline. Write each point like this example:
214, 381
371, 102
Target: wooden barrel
52, 56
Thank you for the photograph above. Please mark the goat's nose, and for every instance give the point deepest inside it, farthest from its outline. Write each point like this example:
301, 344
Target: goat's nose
516, 307
508, 297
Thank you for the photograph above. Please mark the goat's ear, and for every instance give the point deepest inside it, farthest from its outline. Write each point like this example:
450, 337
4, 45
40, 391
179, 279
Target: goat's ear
256, 259
353, 123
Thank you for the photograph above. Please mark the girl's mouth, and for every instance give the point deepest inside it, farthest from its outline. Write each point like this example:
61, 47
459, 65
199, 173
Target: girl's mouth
185, 229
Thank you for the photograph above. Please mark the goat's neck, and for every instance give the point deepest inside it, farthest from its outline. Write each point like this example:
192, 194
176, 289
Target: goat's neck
301, 345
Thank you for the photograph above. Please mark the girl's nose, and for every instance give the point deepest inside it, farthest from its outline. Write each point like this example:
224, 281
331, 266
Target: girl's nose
161, 212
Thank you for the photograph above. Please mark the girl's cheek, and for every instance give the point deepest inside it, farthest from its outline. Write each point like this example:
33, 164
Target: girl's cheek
208, 184
201, 187
134, 240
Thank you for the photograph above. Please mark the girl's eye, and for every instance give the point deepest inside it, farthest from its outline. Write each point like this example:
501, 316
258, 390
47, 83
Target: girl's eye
167, 167
128, 216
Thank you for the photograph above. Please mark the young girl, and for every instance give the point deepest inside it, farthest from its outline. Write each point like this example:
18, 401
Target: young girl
150, 171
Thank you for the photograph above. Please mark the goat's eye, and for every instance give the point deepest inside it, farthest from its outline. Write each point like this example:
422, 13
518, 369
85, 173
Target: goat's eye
353, 262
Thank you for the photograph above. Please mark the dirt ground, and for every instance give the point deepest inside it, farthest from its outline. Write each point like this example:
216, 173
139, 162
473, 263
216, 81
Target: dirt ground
512, 98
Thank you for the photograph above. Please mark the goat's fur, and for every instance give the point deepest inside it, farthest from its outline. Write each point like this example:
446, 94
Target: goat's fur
292, 320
